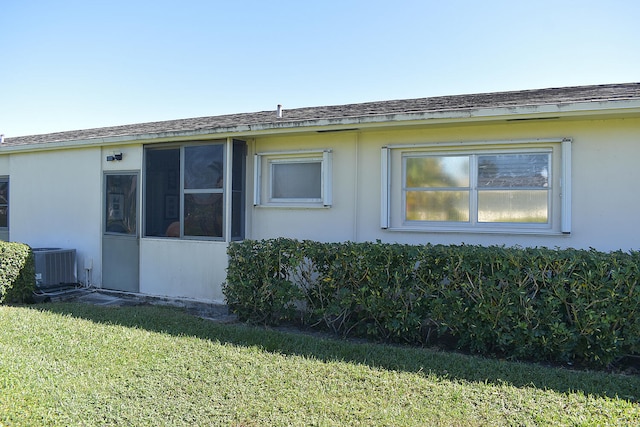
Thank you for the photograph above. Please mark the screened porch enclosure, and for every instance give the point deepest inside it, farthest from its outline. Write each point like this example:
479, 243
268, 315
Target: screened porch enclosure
195, 190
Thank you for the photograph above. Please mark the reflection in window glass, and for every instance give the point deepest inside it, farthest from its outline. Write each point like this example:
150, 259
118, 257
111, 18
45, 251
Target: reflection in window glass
437, 188
437, 172
203, 166
478, 188
203, 214
513, 170
162, 192
4, 192
4, 203
437, 206
237, 190
513, 206
121, 204
514, 188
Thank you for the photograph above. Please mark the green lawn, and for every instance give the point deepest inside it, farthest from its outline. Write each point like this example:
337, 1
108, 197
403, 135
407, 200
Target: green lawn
73, 364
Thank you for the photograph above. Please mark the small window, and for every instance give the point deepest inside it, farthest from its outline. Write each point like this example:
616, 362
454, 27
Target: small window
296, 180
293, 179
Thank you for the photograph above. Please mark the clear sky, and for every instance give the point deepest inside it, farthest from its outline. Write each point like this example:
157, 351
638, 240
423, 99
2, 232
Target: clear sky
68, 64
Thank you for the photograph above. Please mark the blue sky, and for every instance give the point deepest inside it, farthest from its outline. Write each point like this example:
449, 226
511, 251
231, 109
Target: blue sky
67, 64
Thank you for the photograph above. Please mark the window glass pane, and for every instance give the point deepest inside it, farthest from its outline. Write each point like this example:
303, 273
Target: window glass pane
237, 215
162, 192
513, 170
4, 192
4, 204
203, 166
438, 206
437, 172
121, 210
299, 180
238, 191
529, 206
239, 165
4, 216
203, 214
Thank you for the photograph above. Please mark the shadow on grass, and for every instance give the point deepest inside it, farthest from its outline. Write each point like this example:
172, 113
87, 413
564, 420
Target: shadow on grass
447, 365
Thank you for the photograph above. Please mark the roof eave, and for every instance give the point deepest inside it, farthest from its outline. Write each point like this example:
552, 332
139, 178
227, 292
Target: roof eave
449, 116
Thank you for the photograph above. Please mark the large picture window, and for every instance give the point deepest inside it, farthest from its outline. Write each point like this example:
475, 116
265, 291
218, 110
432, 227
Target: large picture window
497, 186
185, 191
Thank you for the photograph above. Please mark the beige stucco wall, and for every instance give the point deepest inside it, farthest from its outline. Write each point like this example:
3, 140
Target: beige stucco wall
605, 200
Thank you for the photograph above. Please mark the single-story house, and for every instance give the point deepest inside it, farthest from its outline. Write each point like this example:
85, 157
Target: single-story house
152, 207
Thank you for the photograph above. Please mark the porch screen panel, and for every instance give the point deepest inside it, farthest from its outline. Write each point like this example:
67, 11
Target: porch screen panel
185, 190
162, 192
4, 203
203, 190
238, 190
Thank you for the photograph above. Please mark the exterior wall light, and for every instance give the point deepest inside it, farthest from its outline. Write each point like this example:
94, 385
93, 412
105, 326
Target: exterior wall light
114, 156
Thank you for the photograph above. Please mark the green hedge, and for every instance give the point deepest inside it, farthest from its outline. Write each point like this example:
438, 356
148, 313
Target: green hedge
17, 272
579, 306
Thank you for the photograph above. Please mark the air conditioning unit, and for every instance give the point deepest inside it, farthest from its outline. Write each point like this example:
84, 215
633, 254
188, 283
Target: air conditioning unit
55, 267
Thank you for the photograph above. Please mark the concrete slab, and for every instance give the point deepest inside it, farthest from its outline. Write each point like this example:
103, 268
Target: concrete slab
209, 311
97, 298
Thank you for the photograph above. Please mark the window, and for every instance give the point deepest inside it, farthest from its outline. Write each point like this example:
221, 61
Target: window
4, 203
511, 186
202, 197
514, 188
186, 190
293, 179
120, 214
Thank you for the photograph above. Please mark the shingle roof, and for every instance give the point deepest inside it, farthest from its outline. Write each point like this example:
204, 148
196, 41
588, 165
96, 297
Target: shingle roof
336, 113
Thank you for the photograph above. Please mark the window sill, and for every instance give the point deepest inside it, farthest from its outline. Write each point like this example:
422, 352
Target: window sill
184, 239
501, 231
292, 206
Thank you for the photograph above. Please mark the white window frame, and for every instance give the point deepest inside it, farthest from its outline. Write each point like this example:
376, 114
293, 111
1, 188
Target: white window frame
263, 178
393, 206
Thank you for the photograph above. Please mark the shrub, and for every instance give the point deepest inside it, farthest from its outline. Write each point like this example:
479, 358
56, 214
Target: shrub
17, 272
261, 290
526, 303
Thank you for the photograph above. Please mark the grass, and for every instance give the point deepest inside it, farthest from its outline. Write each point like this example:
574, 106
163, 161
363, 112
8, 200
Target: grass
73, 364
